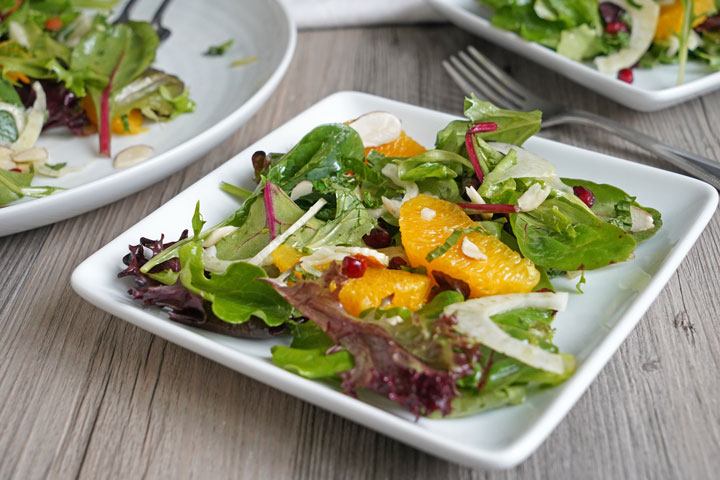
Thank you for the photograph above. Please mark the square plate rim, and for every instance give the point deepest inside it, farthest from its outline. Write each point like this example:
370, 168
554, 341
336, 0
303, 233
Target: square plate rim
577, 71
373, 417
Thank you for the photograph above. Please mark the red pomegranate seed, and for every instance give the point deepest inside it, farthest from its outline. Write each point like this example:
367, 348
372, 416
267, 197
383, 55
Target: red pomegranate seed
585, 195
354, 267
16, 170
616, 27
625, 75
397, 262
377, 238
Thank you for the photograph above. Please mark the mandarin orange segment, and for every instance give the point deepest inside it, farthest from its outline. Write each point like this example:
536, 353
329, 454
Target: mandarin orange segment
403, 146
671, 17
134, 119
426, 222
285, 257
409, 290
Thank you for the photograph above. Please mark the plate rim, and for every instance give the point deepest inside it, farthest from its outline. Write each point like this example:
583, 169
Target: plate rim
191, 149
364, 413
635, 97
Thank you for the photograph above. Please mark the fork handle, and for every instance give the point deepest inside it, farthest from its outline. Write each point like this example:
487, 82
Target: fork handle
697, 166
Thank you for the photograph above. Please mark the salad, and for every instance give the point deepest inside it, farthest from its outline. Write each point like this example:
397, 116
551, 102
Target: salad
64, 65
424, 276
618, 35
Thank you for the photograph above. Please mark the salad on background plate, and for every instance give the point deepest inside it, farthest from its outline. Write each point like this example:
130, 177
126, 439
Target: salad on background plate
425, 276
618, 35
64, 65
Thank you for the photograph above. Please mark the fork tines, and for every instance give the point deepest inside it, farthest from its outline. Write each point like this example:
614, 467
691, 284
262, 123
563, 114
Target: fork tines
474, 72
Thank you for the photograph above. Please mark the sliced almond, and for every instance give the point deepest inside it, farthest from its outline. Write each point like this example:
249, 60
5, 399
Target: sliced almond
641, 220
32, 155
471, 250
301, 189
377, 128
218, 235
132, 156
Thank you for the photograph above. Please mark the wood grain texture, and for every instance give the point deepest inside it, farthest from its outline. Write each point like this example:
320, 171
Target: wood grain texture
83, 394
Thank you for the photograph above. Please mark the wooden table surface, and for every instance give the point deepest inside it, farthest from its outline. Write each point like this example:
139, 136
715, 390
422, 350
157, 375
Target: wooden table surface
84, 394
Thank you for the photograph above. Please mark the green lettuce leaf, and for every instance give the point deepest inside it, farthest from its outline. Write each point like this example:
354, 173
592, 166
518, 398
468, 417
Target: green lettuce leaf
563, 235
513, 127
306, 355
237, 294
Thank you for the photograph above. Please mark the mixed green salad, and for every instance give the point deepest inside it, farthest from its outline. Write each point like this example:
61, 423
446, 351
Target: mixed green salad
65, 65
424, 276
618, 35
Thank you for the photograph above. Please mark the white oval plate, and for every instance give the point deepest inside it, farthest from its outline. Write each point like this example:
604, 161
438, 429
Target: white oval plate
652, 90
592, 328
226, 98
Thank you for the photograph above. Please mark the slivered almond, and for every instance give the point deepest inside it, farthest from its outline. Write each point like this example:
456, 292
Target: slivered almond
427, 213
132, 156
218, 235
471, 250
301, 189
641, 220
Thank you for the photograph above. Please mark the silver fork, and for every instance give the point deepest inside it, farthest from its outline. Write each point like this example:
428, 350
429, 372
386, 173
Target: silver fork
162, 31
473, 72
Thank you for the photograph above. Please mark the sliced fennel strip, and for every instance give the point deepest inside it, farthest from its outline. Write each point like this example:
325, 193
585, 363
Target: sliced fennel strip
473, 321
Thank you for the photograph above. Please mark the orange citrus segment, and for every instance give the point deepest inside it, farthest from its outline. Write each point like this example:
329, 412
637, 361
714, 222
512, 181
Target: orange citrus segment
409, 290
426, 222
285, 257
117, 126
403, 146
671, 17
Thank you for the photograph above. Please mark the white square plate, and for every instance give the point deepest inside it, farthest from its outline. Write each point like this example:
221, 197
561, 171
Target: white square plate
592, 328
226, 97
653, 89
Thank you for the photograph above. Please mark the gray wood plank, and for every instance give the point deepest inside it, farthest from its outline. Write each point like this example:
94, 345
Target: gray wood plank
83, 394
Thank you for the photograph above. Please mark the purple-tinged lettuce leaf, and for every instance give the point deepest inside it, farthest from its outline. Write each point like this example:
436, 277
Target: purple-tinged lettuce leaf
183, 306
381, 364
64, 107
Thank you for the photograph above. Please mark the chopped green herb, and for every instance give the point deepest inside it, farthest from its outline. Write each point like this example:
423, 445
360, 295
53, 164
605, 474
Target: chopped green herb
217, 50
244, 61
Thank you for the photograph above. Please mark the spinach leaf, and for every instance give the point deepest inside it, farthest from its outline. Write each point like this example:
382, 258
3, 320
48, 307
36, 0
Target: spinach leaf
347, 228
522, 19
438, 164
613, 206
328, 151
513, 127
307, 356
8, 93
560, 234
8, 129
237, 294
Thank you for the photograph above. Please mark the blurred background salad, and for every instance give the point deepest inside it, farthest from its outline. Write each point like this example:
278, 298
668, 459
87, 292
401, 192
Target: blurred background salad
64, 64
618, 35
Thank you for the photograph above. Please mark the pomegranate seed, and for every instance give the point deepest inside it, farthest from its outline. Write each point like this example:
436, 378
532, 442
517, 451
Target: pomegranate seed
16, 170
397, 262
377, 238
615, 27
585, 195
354, 267
625, 75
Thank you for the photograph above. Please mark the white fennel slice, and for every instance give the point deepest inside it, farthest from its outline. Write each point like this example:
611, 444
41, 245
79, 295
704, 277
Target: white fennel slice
473, 321
644, 23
